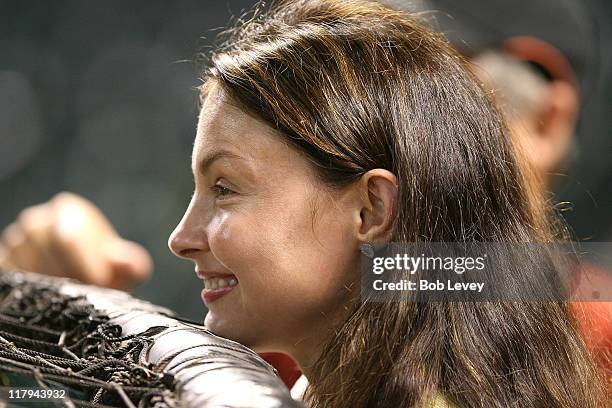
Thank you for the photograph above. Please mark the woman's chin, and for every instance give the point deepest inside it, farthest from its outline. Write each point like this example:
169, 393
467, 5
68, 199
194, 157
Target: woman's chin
216, 324
222, 327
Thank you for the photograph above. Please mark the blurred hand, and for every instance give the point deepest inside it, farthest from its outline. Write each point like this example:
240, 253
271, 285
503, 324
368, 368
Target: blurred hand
69, 236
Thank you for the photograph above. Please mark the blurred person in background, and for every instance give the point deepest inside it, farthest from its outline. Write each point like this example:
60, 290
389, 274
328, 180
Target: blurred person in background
563, 43
536, 88
540, 59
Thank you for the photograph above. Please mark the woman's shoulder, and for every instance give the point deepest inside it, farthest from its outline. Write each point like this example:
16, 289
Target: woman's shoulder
440, 402
297, 391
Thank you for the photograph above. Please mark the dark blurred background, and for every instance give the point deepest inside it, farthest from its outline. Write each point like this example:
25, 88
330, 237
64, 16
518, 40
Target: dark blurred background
98, 98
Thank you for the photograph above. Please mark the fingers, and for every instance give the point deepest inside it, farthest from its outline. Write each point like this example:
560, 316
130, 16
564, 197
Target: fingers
17, 252
79, 231
5, 263
26, 244
35, 224
69, 236
91, 245
129, 262
74, 212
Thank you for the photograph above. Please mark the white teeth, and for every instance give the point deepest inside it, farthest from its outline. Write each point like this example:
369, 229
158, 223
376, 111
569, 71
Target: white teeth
219, 283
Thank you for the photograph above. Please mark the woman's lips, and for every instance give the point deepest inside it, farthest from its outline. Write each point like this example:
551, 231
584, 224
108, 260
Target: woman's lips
216, 285
210, 295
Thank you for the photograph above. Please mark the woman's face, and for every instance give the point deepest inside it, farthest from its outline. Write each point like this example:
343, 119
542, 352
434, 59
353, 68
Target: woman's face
261, 221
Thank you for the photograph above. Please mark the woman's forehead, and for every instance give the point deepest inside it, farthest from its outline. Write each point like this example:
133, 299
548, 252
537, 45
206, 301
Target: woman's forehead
223, 125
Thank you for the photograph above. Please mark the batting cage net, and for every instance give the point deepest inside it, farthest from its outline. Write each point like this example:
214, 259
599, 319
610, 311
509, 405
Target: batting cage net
80, 345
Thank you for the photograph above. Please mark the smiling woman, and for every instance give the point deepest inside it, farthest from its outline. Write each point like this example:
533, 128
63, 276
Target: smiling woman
271, 271
347, 123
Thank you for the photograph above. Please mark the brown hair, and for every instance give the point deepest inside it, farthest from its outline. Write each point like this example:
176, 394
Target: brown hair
357, 85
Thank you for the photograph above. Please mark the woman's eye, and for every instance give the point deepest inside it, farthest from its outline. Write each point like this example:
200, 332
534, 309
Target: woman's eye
221, 191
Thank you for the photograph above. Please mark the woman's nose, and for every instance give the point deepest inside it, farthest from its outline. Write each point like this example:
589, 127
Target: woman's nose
185, 242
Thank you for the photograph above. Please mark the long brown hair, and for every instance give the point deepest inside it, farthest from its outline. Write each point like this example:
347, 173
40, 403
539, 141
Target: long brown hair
357, 85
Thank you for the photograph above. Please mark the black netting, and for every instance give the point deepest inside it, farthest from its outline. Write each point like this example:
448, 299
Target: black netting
52, 340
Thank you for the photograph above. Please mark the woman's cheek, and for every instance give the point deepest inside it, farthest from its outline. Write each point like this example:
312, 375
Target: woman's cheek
223, 237
235, 243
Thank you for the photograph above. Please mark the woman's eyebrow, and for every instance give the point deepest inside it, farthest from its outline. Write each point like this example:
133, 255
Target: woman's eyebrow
215, 155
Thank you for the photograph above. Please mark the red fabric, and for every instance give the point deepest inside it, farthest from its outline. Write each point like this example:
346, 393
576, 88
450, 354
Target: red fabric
595, 318
287, 368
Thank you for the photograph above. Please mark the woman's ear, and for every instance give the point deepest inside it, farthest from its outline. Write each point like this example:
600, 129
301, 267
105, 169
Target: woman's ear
376, 209
556, 122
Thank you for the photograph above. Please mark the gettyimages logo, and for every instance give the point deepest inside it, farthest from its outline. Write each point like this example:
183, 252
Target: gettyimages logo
413, 264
